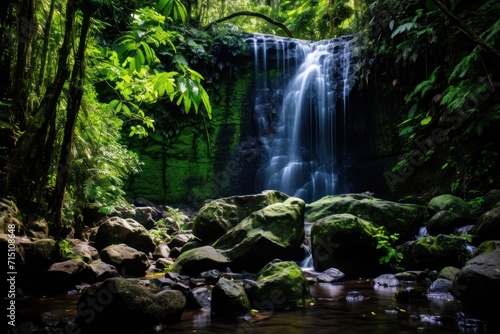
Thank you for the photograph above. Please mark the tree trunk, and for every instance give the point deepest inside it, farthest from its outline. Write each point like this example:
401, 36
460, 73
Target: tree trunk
74, 103
45, 48
37, 130
26, 30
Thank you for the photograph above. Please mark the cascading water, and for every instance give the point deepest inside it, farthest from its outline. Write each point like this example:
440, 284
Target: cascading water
308, 83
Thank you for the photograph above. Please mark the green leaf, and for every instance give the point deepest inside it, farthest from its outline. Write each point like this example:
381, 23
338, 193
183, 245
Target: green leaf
426, 120
404, 27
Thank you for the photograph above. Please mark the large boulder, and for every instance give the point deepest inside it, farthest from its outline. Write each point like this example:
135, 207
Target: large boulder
195, 261
279, 285
487, 226
229, 300
396, 217
63, 276
434, 252
117, 305
217, 217
275, 231
491, 199
116, 230
38, 255
127, 260
348, 243
477, 284
101, 270
146, 216
444, 222
38, 229
83, 250
453, 204
487, 247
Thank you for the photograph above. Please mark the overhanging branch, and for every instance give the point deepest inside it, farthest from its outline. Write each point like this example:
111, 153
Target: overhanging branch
249, 13
466, 30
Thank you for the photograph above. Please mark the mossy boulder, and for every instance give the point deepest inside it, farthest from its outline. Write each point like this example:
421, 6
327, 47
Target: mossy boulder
491, 199
275, 231
448, 272
279, 285
217, 217
229, 300
117, 230
450, 203
197, 260
127, 306
345, 242
444, 222
434, 252
82, 250
487, 226
396, 217
38, 255
487, 247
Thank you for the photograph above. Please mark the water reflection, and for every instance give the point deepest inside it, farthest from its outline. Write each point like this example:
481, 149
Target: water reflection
331, 312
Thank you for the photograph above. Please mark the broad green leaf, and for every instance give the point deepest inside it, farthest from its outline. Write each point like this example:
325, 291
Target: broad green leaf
404, 27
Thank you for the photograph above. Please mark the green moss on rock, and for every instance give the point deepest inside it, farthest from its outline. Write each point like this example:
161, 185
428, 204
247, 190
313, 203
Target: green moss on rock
280, 285
396, 217
434, 253
189, 167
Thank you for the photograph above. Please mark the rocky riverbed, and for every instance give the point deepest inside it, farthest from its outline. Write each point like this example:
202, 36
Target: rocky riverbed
238, 258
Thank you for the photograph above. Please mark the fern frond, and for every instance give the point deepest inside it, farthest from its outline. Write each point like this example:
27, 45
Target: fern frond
465, 65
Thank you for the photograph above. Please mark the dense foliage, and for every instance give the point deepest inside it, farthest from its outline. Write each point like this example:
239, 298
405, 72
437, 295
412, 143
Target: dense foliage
61, 141
438, 67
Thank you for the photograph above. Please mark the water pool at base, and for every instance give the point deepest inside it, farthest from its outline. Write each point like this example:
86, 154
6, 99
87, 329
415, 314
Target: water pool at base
330, 313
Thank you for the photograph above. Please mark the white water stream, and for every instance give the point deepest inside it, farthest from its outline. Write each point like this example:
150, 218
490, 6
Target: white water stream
310, 85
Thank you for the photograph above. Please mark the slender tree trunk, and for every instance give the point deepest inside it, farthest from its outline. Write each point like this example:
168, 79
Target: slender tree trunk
26, 30
74, 103
6, 9
332, 16
38, 127
45, 48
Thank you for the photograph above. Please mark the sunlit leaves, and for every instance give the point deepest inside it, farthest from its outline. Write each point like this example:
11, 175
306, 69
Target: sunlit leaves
135, 51
138, 130
173, 8
164, 84
102, 163
192, 93
140, 79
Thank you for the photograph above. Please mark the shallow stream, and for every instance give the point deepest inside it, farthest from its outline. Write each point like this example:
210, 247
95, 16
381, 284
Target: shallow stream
330, 313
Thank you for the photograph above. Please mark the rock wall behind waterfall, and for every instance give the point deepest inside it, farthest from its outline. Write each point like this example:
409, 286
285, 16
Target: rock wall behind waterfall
189, 160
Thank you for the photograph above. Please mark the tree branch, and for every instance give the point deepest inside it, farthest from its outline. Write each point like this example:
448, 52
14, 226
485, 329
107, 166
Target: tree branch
466, 30
249, 13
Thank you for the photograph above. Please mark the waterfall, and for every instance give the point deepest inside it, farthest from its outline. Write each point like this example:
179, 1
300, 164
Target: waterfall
301, 110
